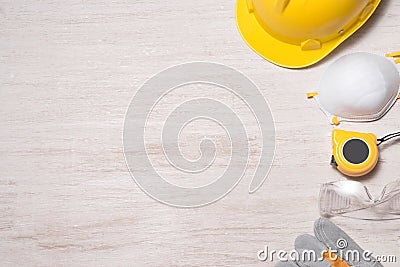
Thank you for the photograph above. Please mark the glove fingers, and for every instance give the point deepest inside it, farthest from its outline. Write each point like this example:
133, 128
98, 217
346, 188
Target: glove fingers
336, 239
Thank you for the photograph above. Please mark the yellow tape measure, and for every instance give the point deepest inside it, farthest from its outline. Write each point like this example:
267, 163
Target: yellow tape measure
354, 154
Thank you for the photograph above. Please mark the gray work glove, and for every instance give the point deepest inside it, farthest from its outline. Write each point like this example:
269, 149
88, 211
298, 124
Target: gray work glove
329, 239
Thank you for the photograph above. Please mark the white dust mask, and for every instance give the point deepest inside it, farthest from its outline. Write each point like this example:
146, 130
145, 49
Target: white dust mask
358, 87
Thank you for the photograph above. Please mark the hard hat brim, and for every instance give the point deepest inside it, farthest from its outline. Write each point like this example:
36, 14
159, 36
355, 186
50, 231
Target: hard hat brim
281, 53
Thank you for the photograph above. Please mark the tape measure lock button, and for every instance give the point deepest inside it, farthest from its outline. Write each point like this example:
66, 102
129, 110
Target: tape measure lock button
333, 161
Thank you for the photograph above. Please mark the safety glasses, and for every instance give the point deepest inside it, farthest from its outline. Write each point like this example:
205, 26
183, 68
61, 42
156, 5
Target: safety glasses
353, 199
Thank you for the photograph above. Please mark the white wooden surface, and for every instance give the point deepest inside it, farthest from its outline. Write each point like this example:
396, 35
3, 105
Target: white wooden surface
68, 70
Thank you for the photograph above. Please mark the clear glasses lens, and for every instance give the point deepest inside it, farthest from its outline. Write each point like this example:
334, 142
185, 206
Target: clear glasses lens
352, 199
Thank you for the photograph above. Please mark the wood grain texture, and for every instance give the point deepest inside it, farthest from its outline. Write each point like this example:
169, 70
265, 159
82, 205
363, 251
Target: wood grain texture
68, 70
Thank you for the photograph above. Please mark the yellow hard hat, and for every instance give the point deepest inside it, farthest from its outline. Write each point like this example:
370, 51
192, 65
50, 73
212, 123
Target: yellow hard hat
299, 33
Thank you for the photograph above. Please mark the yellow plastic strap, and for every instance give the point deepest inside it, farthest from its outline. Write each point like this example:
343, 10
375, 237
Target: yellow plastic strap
334, 260
398, 97
312, 94
394, 54
335, 120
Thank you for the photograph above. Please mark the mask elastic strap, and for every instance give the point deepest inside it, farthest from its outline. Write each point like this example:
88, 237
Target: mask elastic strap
396, 56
